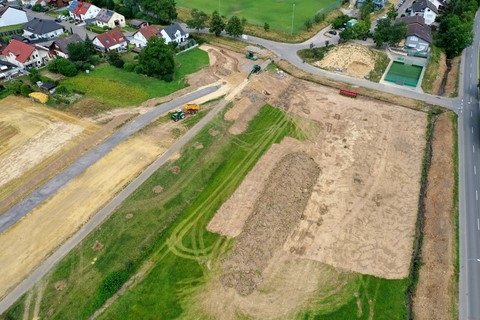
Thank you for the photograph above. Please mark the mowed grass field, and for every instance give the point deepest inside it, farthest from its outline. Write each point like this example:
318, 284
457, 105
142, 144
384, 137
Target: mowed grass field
277, 13
166, 239
119, 88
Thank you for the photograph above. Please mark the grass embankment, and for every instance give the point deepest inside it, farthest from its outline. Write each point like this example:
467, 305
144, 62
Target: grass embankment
119, 88
381, 64
431, 72
456, 221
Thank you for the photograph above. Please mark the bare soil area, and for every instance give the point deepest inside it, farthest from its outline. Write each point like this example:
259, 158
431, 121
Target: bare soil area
61, 215
277, 209
450, 86
434, 298
370, 154
351, 58
29, 134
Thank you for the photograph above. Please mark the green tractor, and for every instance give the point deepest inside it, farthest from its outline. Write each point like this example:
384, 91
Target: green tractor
177, 115
256, 69
249, 55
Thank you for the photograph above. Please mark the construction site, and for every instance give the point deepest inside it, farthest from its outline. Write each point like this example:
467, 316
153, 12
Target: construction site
307, 217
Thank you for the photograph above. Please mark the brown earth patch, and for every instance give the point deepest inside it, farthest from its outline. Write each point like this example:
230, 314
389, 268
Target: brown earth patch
60, 285
452, 79
276, 211
175, 169
129, 216
157, 189
442, 67
97, 246
198, 145
436, 289
371, 154
213, 132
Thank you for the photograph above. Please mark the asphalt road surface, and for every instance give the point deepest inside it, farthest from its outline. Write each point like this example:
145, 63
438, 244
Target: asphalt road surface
469, 181
48, 189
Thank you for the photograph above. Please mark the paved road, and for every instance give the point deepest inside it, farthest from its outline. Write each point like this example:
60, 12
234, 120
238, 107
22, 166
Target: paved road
469, 181
52, 186
61, 252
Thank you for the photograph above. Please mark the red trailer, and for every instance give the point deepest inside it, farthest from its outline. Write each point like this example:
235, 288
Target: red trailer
348, 93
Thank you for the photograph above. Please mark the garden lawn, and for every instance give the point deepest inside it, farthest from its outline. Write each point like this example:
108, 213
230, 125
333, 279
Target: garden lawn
119, 88
277, 13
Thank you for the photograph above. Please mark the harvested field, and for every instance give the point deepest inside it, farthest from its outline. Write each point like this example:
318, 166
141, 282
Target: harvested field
370, 154
57, 218
436, 288
351, 58
29, 134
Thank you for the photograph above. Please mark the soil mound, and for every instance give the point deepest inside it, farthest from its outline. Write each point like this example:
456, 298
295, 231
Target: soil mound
276, 212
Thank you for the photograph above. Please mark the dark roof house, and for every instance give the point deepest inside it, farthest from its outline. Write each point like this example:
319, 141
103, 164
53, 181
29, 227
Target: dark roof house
60, 45
138, 23
421, 5
41, 26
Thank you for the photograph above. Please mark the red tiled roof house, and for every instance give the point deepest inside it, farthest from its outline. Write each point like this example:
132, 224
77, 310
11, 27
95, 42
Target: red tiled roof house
26, 55
141, 37
110, 40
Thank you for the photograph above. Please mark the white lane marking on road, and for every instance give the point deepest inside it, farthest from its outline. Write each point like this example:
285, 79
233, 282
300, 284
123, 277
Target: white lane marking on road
478, 224
475, 169
473, 149
472, 130
476, 195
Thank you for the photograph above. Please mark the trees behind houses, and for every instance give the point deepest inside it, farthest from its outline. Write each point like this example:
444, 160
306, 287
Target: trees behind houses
388, 32
456, 25
156, 59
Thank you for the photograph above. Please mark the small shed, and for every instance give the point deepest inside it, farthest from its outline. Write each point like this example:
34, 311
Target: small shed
351, 22
48, 87
138, 23
39, 97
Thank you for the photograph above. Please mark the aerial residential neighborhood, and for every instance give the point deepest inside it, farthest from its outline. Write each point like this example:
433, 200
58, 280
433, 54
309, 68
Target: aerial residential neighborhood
182, 159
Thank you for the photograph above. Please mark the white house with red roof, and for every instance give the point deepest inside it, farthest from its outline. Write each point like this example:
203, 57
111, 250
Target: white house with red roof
25, 55
79, 10
111, 40
10, 16
141, 37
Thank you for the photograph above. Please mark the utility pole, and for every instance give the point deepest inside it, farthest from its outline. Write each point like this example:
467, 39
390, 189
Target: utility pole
293, 15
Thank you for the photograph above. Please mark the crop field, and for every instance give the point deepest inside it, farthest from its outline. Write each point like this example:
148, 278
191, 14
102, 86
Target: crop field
119, 88
259, 12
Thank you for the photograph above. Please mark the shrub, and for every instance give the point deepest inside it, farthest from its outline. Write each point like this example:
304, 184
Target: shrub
25, 89
63, 90
129, 66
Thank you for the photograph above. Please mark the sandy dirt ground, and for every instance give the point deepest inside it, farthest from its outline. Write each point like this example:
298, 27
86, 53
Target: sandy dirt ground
452, 77
57, 218
351, 58
30, 133
435, 289
362, 211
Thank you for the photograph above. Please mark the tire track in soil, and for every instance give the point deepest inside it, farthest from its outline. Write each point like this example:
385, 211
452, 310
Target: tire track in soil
175, 241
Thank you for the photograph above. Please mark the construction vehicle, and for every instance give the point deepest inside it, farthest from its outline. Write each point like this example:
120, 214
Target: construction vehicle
256, 69
251, 56
177, 115
191, 108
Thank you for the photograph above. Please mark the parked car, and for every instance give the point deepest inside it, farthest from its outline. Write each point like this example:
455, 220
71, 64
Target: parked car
332, 32
58, 20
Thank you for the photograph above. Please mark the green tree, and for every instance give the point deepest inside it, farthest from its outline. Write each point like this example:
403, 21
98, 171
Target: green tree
234, 27
37, 7
244, 21
114, 59
216, 24
156, 59
454, 35
308, 24
198, 21
339, 22
360, 29
347, 34
266, 27
392, 13
367, 7
398, 32
382, 31
163, 11
80, 51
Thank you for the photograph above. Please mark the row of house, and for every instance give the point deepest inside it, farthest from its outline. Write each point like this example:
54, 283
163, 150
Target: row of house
25, 55
87, 12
